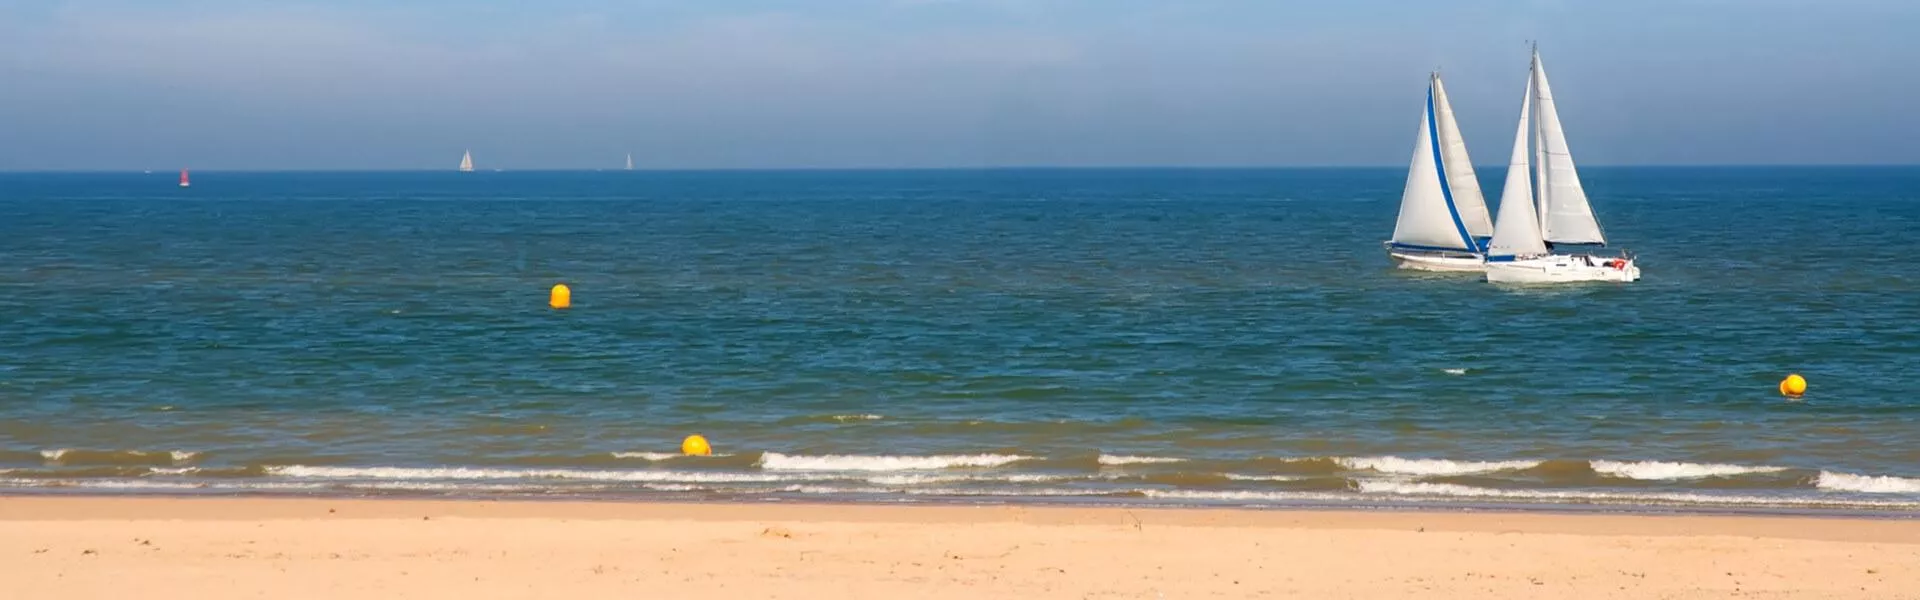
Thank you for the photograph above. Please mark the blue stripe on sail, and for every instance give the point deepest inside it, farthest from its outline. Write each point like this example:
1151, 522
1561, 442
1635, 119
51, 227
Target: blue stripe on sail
1440, 167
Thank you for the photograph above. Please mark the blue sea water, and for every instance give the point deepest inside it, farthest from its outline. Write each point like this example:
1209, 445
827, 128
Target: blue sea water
1140, 336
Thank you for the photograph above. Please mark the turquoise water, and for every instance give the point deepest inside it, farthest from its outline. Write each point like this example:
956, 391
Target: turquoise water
1175, 336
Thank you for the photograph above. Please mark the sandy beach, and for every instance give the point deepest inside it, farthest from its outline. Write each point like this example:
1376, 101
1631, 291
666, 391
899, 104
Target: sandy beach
357, 548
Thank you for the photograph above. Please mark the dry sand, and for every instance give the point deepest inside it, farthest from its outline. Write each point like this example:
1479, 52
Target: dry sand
162, 548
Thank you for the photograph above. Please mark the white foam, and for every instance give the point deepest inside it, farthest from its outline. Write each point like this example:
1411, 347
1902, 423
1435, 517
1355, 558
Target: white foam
774, 461
181, 456
929, 478
1239, 477
1653, 470
1449, 490
1455, 371
1432, 466
1017, 492
55, 454
1122, 459
1240, 496
846, 418
1847, 482
653, 456
467, 473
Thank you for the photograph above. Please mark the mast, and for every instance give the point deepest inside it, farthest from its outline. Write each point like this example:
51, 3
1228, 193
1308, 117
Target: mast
1428, 218
1568, 217
1517, 230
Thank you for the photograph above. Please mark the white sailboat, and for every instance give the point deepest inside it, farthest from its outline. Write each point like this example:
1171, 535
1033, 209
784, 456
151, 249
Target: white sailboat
1550, 210
1443, 223
466, 162
629, 161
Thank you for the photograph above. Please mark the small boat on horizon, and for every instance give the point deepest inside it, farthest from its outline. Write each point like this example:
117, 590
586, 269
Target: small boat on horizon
183, 179
466, 162
629, 161
1552, 209
1443, 223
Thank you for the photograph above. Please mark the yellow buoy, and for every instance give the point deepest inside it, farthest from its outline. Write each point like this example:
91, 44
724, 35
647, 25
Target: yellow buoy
696, 445
561, 297
1793, 386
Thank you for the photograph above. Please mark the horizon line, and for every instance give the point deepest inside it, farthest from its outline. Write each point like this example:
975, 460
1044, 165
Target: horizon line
1329, 167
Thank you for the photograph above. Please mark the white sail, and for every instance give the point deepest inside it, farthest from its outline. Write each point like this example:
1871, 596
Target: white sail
1468, 202
1517, 230
1428, 218
466, 161
629, 161
1566, 216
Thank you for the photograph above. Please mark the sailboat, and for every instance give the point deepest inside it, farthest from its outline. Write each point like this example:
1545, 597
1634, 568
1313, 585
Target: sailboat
629, 161
1550, 210
183, 179
1443, 223
466, 162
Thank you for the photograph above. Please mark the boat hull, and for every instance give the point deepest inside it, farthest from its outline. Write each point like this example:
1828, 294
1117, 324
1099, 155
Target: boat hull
1436, 262
1563, 268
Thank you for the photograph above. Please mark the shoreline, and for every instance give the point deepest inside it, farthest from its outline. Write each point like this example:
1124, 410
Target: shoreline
94, 547
1357, 505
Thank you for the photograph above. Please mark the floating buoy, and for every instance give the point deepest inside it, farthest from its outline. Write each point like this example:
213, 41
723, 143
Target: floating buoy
561, 297
1793, 386
696, 445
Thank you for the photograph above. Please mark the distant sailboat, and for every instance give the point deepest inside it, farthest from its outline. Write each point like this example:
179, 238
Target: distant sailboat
183, 179
466, 162
1553, 210
1443, 223
629, 161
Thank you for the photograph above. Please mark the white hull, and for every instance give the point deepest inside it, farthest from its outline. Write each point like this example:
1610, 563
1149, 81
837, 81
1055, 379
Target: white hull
1443, 263
1563, 268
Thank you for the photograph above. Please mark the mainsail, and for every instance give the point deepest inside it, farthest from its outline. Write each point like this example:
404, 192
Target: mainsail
1517, 230
1431, 216
466, 161
1565, 215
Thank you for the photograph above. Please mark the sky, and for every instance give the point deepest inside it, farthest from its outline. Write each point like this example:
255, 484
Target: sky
564, 84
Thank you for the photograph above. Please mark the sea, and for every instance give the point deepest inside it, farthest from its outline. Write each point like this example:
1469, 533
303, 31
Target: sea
1139, 337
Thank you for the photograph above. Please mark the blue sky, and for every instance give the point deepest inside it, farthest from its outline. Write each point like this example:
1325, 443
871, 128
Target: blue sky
351, 84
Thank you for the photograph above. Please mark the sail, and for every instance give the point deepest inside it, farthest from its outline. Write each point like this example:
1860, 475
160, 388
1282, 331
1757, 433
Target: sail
466, 161
1468, 201
629, 162
1567, 217
1517, 230
1427, 215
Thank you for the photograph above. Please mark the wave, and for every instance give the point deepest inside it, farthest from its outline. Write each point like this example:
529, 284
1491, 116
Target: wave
470, 473
774, 461
1113, 460
1241, 495
1239, 477
1432, 466
651, 456
1654, 470
1871, 484
1450, 490
83, 456
848, 418
927, 478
